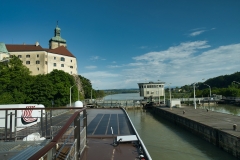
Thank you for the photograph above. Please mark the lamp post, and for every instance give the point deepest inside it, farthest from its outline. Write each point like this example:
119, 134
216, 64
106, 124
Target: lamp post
163, 95
146, 89
71, 95
209, 88
159, 93
91, 95
170, 96
194, 95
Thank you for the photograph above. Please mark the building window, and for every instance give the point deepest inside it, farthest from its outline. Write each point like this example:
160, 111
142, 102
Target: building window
62, 59
71, 72
38, 69
46, 62
62, 65
71, 66
28, 56
19, 56
37, 55
37, 62
27, 62
71, 60
54, 58
54, 64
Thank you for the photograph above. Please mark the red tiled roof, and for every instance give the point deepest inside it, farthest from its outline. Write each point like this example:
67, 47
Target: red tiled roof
23, 47
61, 50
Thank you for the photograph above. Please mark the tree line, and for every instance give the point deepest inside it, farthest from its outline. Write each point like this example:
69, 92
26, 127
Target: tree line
17, 86
225, 85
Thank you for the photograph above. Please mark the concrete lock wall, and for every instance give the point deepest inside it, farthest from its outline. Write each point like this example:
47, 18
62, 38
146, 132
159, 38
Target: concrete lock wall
223, 140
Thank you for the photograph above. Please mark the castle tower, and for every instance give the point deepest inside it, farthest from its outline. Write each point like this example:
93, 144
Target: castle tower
57, 40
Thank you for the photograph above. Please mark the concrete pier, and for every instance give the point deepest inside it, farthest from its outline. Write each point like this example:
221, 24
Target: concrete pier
222, 130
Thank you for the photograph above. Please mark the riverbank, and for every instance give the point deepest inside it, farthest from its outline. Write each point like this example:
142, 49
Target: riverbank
217, 128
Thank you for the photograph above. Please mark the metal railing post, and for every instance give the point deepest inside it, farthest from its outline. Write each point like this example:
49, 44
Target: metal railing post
10, 125
85, 120
15, 125
41, 122
6, 122
77, 133
46, 124
50, 117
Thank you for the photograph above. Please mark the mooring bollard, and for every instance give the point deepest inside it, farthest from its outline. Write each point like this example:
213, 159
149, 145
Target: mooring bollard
234, 127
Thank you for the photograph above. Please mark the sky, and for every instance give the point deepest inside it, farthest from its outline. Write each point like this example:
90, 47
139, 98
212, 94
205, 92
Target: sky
120, 43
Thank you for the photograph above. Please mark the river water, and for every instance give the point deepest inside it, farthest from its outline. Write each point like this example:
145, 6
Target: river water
167, 141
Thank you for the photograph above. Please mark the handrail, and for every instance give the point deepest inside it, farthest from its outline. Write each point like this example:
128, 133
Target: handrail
42, 108
54, 141
141, 142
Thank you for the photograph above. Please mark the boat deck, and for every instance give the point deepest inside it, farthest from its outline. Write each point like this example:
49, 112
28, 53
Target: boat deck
100, 139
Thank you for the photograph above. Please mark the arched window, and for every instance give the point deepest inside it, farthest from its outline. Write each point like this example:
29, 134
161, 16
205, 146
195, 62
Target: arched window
62, 59
28, 56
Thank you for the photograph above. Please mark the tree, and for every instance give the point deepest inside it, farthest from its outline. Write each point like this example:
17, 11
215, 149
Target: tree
62, 82
16, 80
87, 87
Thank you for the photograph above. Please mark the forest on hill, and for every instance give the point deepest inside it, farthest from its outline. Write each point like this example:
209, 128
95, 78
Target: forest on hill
226, 85
17, 86
51, 90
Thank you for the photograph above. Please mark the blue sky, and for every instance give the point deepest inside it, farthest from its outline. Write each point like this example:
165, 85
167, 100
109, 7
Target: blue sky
119, 43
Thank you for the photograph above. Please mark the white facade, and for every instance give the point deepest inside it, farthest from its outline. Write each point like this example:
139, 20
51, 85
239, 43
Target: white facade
152, 90
35, 61
60, 62
174, 103
4, 54
42, 61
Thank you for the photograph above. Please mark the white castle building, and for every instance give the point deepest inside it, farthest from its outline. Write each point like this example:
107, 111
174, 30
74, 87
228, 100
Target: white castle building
41, 60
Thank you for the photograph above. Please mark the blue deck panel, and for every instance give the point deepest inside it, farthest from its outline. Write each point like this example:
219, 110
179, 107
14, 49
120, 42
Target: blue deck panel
114, 124
102, 127
123, 125
93, 124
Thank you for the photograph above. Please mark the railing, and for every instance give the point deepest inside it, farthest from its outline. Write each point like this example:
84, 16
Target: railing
142, 147
61, 131
69, 137
116, 103
12, 127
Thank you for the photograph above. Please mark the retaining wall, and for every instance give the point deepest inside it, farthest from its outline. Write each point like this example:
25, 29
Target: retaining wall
215, 135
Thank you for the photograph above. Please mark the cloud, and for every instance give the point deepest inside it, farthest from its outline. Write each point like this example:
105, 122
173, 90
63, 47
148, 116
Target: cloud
181, 51
103, 79
182, 64
196, 33
100, 74
115, 66
95, 58
143, 47
90, 67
